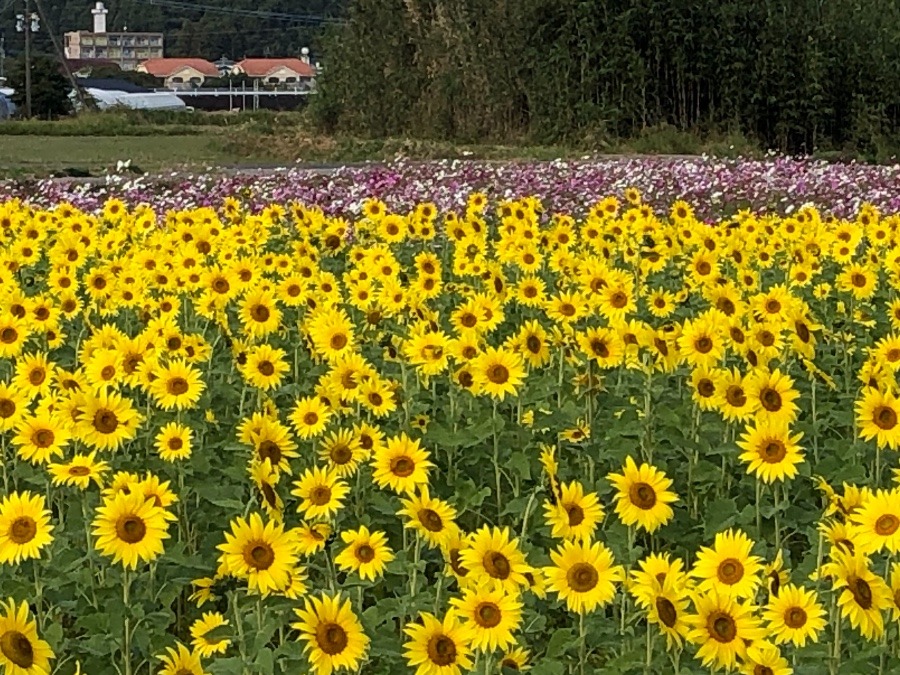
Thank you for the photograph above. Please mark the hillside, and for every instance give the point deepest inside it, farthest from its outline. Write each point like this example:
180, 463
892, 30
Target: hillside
209, 33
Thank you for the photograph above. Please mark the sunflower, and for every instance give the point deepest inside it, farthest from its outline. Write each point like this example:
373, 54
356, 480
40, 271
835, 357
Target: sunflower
367, 553
332, 334
728, 568
181, 661
310, 417
130, 528
531, 342
377, 396
178, 385
877, 522
439, 647
173, 442
40, 438
431, 517
13, 406
24, 527
79, 471
34, 374
574, 514
661, 303
492, 558
666, 604
722, 627
402, 465
734, 404
311, 537
701, 342
333, 635
272, 442
265, 367
13, 335
764, 657
342, 451
321, 493
204, 643
493, 616
259, 313
643, 496
603, 345
877, 416
21, 651
770, 451
584, 575
863, 594
265, 478
107, 420
262, 553
498, 372
794, 615
515, 660
772, 396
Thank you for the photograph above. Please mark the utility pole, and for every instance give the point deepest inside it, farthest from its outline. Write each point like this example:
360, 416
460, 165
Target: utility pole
2, 56
27, 23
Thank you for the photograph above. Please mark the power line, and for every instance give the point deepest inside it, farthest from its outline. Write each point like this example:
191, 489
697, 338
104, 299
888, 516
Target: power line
278, 16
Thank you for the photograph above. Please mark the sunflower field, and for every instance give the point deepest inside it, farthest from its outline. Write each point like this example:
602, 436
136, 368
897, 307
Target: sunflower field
254, 439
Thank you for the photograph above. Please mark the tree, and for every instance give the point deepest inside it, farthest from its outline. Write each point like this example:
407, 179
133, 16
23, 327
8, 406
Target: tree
49, 87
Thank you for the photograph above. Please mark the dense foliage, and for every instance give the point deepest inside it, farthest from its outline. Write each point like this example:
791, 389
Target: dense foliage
49, 87
204, 33
797, 74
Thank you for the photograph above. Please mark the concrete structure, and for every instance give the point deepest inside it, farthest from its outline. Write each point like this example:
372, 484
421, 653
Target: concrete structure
180, 74
277, 72
123, 48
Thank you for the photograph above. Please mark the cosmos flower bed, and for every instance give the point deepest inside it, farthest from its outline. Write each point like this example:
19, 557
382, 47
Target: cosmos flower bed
245, 438
714, 186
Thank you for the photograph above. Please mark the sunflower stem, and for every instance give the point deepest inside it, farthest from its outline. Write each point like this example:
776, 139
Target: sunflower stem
239, 624
777, 504
496, 425
582, 643
126, 641
648, 663
815, 423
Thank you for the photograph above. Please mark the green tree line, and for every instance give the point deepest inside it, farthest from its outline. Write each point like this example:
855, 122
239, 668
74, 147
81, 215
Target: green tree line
793, 74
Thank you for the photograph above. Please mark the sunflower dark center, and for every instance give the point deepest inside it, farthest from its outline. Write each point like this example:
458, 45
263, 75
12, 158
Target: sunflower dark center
862, 592
582, 577
310, 419
259, 555
177, 386
131, 528
773, 451
260, 313
431, 520
770, 399
338, 341
575, 514
105, 421
618, 300
735, 396
16, 647
497, 565
79, 471
269, 450
320, 495
887, 525
402, 466
642, 496
859, 280
22, 530
441, 650
365, 553
488, 615
795, 617
885, 417
721, 627
730, 571
668, 615
331, 638
498, 373
706, 388
266, 368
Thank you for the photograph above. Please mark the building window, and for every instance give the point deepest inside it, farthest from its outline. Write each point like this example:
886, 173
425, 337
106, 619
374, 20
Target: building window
290, 80
178, 80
